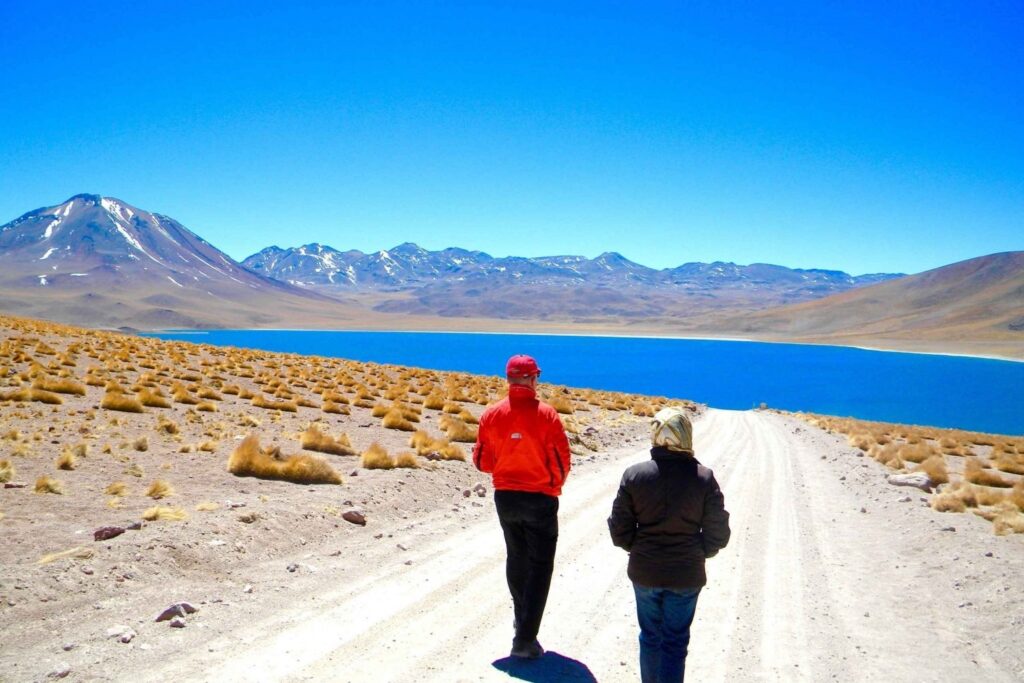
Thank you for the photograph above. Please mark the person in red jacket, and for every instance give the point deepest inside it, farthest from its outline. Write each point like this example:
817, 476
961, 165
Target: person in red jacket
522, 443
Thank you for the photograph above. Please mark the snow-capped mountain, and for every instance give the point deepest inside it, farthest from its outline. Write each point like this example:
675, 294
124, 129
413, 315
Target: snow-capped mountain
410, 267
101, 256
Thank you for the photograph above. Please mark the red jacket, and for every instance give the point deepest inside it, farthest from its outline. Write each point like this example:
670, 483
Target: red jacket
522, 443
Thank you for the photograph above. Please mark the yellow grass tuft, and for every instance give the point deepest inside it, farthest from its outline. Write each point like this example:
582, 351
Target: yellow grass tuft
183, 395
935, 468
336, 408
263, 402
974, 473
207, 407
561, 404
165, 426
134, 470
406, 459
152, 399
168, 514
67, 461
314, 440
6, 471
434, 401
376, 458
48, 485
248, 460
159, 489
141, 443
123, 402
64, 385
38, 395
948, 502
451, 451
117, 488
79, 553
394, 419
207, 506
457, 430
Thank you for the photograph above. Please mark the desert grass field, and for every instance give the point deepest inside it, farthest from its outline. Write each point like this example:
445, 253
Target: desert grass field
322, 516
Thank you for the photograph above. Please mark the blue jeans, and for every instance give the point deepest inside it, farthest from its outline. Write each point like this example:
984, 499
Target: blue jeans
665, 616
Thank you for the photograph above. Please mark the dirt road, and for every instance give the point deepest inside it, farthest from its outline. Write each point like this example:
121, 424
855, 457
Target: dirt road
831, 574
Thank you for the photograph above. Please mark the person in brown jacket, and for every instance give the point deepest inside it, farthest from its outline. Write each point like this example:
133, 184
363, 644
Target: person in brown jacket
669, 513
522, 443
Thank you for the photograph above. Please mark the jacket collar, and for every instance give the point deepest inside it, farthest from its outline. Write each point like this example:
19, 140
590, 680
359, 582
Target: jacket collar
521, 392
662, 453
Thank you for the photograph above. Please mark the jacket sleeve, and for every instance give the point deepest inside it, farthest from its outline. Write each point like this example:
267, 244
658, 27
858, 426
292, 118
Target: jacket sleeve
559, 443
715, 522
483, 452
622, 523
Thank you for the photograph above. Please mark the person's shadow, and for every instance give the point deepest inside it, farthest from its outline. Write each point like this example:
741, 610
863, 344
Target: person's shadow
550, 667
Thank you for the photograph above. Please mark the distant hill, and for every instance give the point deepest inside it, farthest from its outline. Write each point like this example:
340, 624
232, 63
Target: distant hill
100, 261
977, 299
461, 283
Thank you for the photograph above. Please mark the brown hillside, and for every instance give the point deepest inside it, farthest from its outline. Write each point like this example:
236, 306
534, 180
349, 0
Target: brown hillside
981, 299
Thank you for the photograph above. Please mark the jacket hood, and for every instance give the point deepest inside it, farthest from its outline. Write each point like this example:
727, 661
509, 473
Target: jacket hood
662, 453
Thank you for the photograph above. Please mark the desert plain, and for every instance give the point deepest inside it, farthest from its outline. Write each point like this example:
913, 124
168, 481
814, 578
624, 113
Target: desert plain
367, 548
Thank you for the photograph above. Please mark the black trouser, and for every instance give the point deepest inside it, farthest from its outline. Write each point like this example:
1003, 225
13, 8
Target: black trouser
530, 524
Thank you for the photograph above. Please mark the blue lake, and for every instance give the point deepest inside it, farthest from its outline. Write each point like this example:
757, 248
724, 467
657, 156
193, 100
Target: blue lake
946, 391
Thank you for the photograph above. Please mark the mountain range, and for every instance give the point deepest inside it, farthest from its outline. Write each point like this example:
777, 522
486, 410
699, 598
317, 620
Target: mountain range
460, 283
99, 261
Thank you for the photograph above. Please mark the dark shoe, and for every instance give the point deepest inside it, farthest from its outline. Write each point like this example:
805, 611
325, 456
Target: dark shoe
528, 650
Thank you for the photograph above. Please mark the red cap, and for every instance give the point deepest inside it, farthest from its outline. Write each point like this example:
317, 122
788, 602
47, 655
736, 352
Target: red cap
521, 366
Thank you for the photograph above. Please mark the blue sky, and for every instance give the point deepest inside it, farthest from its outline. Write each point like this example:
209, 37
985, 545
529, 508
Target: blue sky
867, 137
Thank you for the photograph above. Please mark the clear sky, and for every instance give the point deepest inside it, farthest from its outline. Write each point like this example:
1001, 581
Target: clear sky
858, 136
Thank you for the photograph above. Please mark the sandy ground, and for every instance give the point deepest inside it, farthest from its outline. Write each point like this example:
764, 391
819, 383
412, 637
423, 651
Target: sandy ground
832, 574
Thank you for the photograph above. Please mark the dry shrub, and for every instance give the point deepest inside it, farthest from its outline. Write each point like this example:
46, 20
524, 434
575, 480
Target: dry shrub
1005, 463
336, 408
231, 389
406, 459
165, 426
152, 399
182, 395
860, 440
1016, 495
1008, 521
974, 473
562, 404
457, 430
207, 407
265, 403
248, 460
209, 394
314, 440
38, 395
141, 444
134, 470
935, 468
209, 446
117, 401
67, 461
451, 407
159, 489
434, 401
207, 506
916, 453
468, 417
948, 501
167, 514
6, 471
394, 419
48, 485
376, 458
117, 488
379, 410
79, 553
64, 385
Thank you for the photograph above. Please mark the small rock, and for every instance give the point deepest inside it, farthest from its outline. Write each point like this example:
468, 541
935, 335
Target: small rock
128, 636
408, 562
115, 631
905, 499
68, 647
15, 485
354, 516
248, 588
293, 568
88, 571
988, 554
949, 528
177, 622
248, 518
401, 547
354, 473
480, 490
918, 480
863, 510
134, 526
61, 671
107, 532
233, 506
178, 609
467, 493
